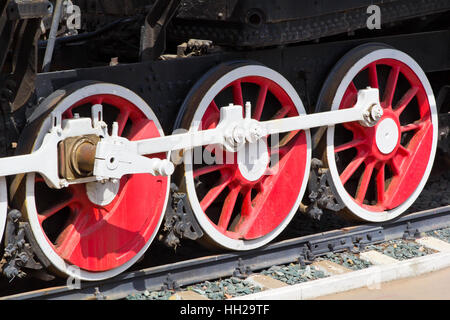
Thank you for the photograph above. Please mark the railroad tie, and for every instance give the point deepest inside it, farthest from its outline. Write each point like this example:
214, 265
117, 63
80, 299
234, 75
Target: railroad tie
377, 258
434, 243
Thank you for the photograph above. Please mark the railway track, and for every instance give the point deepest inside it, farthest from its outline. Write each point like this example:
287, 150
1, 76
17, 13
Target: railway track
302, 249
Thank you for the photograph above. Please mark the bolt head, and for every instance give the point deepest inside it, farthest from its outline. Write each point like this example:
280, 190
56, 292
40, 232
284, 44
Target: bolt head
64, 184
167, 168
239, 135
376, 112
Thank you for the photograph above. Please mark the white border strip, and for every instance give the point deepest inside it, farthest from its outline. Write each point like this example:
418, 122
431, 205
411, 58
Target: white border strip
371, 277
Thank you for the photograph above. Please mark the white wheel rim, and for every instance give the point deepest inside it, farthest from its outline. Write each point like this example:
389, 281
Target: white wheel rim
54, 258
3, 205
355, 69
211, 231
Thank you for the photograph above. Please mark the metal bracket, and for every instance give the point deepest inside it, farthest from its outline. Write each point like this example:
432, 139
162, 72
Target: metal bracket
116, 157
195, 47
321, 193
444, 133
153, 39
25, 9
410, 232
19, 257
367, 237
98, 295
305, 257
170, 283
242, 271
179, 220
97, 114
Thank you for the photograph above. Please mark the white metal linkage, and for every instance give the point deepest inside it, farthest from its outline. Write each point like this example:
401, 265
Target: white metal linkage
233, 132
116, 156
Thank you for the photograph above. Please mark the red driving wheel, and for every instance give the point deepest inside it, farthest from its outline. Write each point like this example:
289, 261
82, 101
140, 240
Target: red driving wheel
99, 228
379, 171
239, 204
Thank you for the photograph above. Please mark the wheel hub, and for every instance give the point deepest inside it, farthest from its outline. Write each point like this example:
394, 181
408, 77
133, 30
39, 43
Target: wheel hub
387, 136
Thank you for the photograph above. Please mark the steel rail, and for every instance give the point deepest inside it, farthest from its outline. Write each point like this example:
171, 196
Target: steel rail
202, 269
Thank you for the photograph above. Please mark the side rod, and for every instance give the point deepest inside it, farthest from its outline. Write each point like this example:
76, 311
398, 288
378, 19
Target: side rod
232, 126
215, 136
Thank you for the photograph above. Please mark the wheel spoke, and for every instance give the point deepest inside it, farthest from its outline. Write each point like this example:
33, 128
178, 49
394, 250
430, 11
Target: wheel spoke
352, 126
287, 139
122, 120
348, 145
248, 216
352, 167
228, 207
68, 114
350, 97
411, 127
214, 107
48, 213
373, 76
237, 93
390, 86
260, 187
365, 181
408, 166
353, 89
211, 117
281, 151
68, 240
261, 101
247, 207
381, 184
210, 169
395, 166
97, 100
214, 192
282, 113
424, 127
405, 100
405, 152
